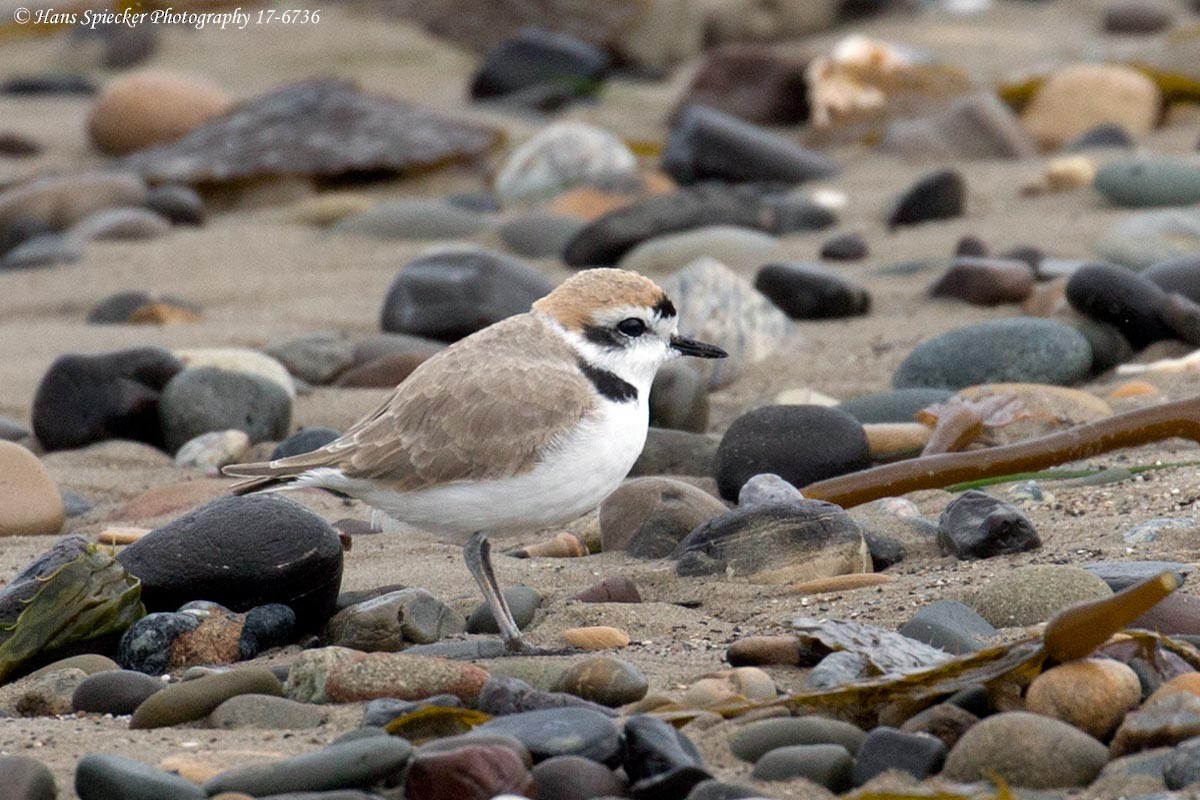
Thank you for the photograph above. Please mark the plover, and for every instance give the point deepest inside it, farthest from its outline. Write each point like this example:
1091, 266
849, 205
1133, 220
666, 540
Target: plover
528, 423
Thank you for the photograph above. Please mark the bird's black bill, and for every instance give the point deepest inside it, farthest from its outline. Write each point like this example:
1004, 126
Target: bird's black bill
690, 347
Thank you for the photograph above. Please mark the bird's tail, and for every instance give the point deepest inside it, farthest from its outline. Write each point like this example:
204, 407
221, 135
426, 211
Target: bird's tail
275, 475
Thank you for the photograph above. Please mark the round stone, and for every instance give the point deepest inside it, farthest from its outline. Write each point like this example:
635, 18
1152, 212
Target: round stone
753, 740
828, 765
203, 399
26, 778
939, 195
1080, 97
30, 503
605, 680
522, 601
730, 244
559, 732
303, 441
267, 712
539, 234
1149, 181
195, 699
142, 109
1093, 695
807, 292
1031, 594
114, 692
561, 156
1026, 750
1122, 298
648, 517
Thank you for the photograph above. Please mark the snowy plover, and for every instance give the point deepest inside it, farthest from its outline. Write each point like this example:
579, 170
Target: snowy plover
528, 423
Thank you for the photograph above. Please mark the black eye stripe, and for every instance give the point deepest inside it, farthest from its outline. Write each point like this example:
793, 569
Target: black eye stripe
664, 307
607, 338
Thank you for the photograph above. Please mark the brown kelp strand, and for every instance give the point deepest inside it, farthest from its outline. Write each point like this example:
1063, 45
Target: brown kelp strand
1075, 632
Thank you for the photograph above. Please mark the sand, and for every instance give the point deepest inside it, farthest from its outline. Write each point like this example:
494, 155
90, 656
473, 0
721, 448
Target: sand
260, 278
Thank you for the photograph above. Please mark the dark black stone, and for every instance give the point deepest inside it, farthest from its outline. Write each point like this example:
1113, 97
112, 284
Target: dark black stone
796, 214
114, 692
502, 696
941, 195
1182, 316
560, 732
707, 144
182, 205
303, 441
1107, 135
452, 294
918, 754
801, 444
1109, 346
659, 761
805, 292
971, 247
18, 231
949, 625
540, 60
266, 627
974, 699
977, 525
847, 247
242, 552
146, 645
885, 551
1121, 298
898, 405
1180, 275
48, 83
85, 399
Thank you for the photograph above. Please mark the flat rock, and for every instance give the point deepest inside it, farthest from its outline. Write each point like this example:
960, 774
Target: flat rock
362, 763
559, 732
752, 741
539, 234
267, 712
949, 625
402, 676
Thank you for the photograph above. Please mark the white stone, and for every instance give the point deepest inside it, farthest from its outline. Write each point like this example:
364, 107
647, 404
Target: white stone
558, 157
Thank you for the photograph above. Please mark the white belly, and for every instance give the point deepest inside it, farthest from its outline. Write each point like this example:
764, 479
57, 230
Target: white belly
575, 477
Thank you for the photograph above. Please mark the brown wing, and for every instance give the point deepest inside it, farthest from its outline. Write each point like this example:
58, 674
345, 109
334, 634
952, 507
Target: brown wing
483, 408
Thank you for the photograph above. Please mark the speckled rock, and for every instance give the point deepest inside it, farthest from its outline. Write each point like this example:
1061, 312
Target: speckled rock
1026, 750
1032, 594
401, 676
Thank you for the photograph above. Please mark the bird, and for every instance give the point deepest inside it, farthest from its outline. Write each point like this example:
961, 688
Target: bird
527, 423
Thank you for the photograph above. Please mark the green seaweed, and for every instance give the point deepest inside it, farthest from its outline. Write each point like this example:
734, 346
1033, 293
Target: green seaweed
1063, 474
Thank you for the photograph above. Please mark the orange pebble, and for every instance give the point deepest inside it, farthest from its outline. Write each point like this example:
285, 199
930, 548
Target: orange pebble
1132, 389
1187, 682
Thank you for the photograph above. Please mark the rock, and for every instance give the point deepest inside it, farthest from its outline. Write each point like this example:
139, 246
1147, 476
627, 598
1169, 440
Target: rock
648, 517
918, 754
985, 282
303, 441
561, 156
707, 144
1149, 181
104, 776
899, 405
660, 761
1123, 574
1092, 694
1110, 348
293, 558
415, 218
1107, 135
794, 212
30, 503
596, 637
846, 247
58, 202
452, 294
180, 204
389, 622
89, 663
728, 244
576, 778
522, 601
1080, 97
539, 234
715, 304
49, 694
468, 773
1165, 721
405, 677
949, 625
266, 627
775, 544
679, 398
1025, 350
751, 83
939, 195
46, 250
977, 525
978, 126
1031, 594
115, 692
316, 128
605, 680
196, 699
502, 696
11, 430
614, 589
203, 399
159, 642
1121, 298
315, 358
946, 721
26, 778
208, 452
764, 440
239, 360
362, 763
1176, 275
806, 292
541, 61
385, 372
669, 452
266, 712
85, 399
716, 790
1136, 18
120, 224
828, 765
559, 732
143, 109
768, 489
1026, 750
49, 83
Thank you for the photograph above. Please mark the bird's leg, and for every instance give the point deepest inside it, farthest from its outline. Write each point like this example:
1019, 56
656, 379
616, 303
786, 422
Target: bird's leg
478, 553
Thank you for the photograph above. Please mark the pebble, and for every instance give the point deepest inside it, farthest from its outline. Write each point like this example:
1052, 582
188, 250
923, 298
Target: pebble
648, 517
46, 250
118, 308
576, 778
142, 109
11, 430
1020, 350
1123, 574
180, 204
659, 760
26, 778
977, 126
91, 398
559, 157
536, 59
240, 360
1027, 750
794, 212
203, 399
671, 452
57, 202
303, 441
729, 244
803, 291
605, 680
105, 776
1092, 694
1031, 594
391, 621
706, 144
828, 765
539, 234
1080, 97
898, 405
614, 589
316, 358
522, 601
30, 503
195, 699
356, 764
1150, 237
1122, 298
1167, 720
405, 677
453, 293
768, 489
679, 398
416, 218
755, 739
765, 440
1105, 135
467, 773
1149, 181
266, 712
295, 558
120, 224
1176, 275
309, 673
49, 694
938, 195
115, 692
90, 663
846, 247
208, 452
1136, 18
946, 721
717, 305
752, 83
596, 637
978, 525
985, 281
918, 754
502, 696
559, 732
949, 625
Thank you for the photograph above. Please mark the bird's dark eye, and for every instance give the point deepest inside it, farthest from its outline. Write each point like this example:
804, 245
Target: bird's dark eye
632, 327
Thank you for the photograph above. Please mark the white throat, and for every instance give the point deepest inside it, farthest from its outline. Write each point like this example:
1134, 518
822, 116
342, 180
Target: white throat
636, 364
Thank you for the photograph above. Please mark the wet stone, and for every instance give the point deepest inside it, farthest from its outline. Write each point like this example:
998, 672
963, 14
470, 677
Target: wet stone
977, 525
659, 761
